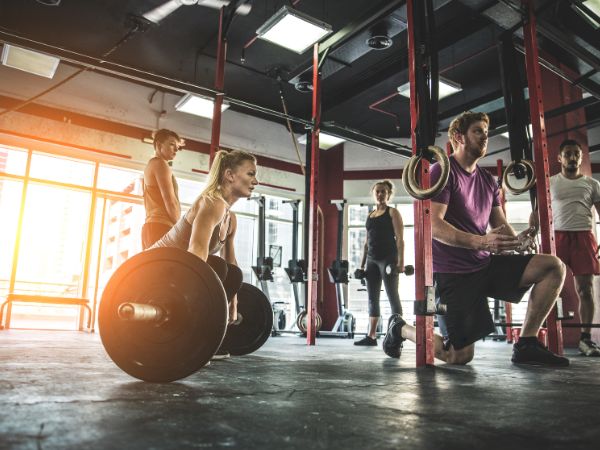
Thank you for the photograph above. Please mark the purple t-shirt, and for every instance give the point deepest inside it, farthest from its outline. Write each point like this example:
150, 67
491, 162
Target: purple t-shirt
470, 198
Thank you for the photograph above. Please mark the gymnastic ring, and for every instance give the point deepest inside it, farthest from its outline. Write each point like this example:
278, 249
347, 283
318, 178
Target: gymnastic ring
409, 175
516, 191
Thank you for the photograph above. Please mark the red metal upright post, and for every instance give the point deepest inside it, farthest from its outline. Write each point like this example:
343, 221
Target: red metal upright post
219, 86
313, 241
542, 170
422, 208
507, 305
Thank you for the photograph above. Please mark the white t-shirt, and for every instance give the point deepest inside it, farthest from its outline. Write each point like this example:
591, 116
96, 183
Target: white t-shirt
572, 202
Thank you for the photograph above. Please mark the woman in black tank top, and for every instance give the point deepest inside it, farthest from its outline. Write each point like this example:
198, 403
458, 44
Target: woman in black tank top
383, 247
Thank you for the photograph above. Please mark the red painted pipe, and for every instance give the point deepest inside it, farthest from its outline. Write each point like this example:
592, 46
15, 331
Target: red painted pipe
313, 237
540, 148
219, 85
422, 208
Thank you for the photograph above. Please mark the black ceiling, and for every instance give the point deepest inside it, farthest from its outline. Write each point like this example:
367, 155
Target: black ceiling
179, 52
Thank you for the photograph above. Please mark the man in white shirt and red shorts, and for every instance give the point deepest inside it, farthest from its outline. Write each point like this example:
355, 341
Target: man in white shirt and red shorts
573, 196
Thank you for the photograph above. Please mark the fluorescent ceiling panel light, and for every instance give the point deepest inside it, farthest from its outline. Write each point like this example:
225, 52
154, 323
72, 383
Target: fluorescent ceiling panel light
29, 61
446, 88
293, 30
589, 10
326, 141
593, 5
199, 106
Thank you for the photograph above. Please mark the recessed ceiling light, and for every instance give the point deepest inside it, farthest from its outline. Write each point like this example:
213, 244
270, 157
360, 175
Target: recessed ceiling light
199, 106
446, 88
293, 30
29, 61
326, 141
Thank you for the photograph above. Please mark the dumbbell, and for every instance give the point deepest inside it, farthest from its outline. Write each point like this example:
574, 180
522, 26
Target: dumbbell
163, 315
408, 270
360, 274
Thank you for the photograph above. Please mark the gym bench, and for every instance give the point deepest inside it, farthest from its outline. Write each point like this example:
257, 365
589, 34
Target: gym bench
24, 298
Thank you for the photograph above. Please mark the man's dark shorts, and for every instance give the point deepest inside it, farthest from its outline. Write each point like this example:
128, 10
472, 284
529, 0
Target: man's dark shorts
468, 317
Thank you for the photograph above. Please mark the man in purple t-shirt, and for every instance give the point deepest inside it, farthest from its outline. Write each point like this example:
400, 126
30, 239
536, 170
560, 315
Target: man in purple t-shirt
470, 262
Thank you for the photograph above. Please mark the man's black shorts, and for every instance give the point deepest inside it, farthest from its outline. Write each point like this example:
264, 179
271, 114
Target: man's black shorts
468, 315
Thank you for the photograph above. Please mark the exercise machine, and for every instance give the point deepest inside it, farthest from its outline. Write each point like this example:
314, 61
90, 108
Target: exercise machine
338, 274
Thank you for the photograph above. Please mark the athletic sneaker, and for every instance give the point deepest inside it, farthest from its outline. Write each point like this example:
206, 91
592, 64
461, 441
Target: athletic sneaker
534, 353
392, 344
220, 354
367, 341
587, 347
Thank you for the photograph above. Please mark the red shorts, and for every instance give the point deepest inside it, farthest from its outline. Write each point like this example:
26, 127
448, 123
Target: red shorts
579, 251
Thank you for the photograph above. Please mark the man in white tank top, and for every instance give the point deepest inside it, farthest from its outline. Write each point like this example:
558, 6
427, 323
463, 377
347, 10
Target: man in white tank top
573, 196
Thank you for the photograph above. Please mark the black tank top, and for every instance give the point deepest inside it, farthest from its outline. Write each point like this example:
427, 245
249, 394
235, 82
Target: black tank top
381, 236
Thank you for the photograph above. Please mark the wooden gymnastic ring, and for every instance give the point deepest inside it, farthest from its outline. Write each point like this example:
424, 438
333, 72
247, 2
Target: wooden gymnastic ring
409, 176
508, 171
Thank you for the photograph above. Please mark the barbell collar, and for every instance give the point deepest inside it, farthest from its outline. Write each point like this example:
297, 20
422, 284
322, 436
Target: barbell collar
141, 312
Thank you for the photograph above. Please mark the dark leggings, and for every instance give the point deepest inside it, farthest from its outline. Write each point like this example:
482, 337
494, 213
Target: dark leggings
375, 274
231, 276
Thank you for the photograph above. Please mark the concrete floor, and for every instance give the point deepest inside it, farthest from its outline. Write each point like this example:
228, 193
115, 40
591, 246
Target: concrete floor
60, 390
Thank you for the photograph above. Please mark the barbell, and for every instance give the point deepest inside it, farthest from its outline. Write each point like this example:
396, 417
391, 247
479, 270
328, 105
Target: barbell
163, 315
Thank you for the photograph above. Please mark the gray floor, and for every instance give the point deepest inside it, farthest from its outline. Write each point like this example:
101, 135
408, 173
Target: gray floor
60, 390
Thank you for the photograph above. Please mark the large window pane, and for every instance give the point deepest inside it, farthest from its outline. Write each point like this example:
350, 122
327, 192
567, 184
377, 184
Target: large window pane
120, 180
12, 160
121, 239
245, 206
407, 212
274, 207
53, 239
122, 233
357, 215
189, 190
10, 203
245, 246
62, 169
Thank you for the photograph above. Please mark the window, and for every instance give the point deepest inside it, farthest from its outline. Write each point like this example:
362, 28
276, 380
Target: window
12, 160
118, 179
189, 190
61, 169
10, 203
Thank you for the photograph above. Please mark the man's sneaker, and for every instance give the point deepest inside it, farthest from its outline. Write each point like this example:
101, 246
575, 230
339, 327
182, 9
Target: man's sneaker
392, 344
220, 354
587, 347
534, 353
367, 341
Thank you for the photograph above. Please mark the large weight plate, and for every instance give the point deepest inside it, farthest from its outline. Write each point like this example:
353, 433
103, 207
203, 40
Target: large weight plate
184, 285
256, 325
